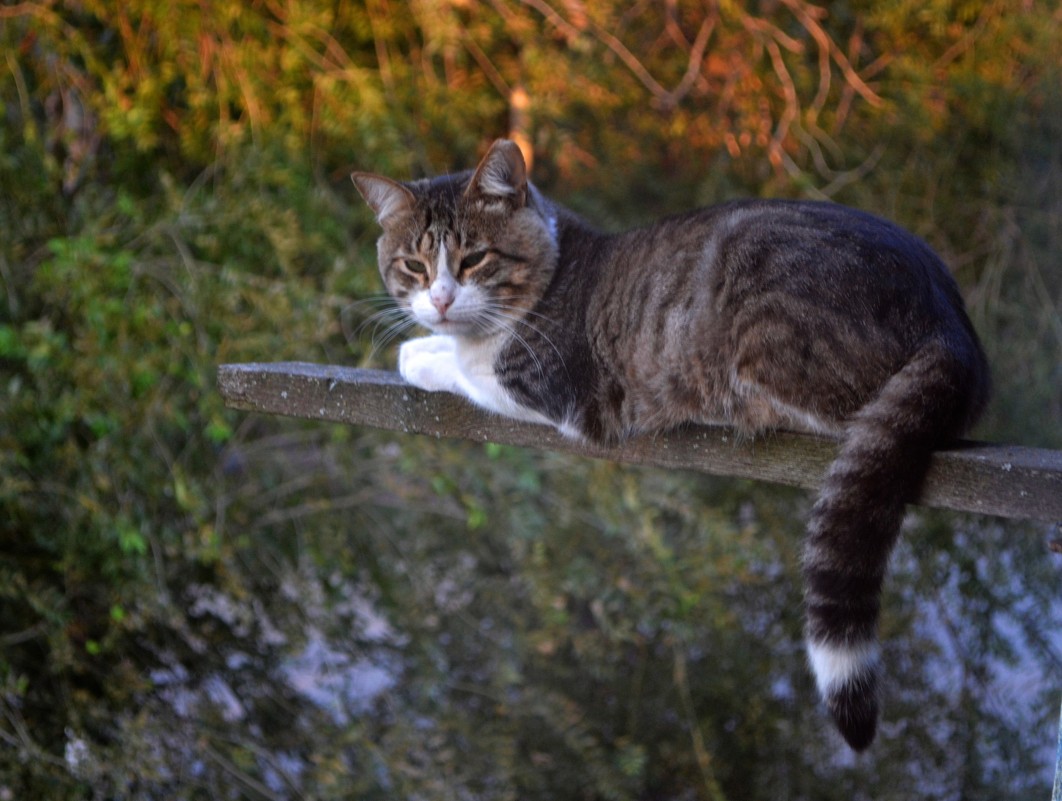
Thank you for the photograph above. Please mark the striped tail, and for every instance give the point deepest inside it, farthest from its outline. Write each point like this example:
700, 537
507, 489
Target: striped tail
856, 520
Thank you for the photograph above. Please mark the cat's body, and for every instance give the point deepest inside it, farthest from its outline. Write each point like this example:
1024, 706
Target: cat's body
766, 314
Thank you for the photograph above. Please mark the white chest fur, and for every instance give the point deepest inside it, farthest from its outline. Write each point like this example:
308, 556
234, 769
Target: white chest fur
442, 363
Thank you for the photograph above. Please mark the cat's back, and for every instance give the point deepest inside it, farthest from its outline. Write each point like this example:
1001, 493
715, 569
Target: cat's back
821, 299
785, 234
831, 257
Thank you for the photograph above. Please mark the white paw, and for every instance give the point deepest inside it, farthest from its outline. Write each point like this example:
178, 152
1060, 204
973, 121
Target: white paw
430, 363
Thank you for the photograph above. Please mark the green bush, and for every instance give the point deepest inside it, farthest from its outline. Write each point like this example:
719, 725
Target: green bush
199, 603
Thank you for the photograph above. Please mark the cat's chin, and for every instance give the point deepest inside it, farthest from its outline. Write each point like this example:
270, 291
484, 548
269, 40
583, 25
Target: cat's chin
458, 328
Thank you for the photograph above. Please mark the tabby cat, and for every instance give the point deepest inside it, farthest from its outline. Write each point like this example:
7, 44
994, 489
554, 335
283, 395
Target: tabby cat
767, 314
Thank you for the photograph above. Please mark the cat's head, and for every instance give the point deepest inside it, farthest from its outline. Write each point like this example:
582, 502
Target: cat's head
465, 254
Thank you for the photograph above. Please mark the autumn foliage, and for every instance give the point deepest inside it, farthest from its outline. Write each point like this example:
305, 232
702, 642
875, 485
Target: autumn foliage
202, 604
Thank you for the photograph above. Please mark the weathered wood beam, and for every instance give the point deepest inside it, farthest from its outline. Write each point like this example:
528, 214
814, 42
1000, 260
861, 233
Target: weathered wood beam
1003, 480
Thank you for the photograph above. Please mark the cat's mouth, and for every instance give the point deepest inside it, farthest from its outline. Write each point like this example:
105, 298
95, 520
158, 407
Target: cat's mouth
458, 327
462, 319
448, 326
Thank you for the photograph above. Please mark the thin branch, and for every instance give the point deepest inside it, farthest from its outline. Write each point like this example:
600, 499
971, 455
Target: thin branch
32, 633
842, 179
383, 54
792, 104
552, 16
700, 753
767, 30
693, 68
633, 64
839, 179
667, 98
21, 737
671, 27
811, 25
25, 10
352, 501
813, 139
971, 36
266, 756
485, 64
825, 80
240, 776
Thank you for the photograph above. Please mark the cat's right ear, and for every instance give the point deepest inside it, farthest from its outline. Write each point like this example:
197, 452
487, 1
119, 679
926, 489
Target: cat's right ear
388, 199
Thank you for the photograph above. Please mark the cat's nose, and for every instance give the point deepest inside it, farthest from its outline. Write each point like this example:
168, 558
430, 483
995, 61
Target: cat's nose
442, 298
442, 292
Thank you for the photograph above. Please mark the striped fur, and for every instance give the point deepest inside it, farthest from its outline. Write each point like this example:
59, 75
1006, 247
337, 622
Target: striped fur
768, 314
856, 520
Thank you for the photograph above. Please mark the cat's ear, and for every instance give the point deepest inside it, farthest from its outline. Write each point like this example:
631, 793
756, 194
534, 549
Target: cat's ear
501, 178
388, 199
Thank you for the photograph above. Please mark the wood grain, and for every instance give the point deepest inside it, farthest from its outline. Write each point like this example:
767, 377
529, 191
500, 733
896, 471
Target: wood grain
1003, 480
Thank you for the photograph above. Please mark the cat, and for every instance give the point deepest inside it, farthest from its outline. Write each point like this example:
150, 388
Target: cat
768, 314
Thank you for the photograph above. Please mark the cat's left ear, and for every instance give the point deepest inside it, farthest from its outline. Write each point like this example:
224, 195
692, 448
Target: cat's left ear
501, 177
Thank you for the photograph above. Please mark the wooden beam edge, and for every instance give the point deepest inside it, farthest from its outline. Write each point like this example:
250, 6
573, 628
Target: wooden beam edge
1002, 480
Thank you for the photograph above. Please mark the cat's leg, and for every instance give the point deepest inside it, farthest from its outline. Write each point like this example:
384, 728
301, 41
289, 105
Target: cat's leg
438, 364
480, 384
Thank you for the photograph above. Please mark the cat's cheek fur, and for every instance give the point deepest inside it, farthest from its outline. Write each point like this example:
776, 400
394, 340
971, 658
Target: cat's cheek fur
422, 309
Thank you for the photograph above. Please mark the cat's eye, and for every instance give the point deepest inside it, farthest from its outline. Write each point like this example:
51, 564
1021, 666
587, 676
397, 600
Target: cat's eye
417, 267
473, 259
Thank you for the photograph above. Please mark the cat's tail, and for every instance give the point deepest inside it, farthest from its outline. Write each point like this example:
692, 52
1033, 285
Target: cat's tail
856, 519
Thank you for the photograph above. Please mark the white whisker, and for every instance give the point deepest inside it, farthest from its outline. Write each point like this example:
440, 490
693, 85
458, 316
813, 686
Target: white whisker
505, 323
500, 309
390, 333
387, 323
503, 315
358, 305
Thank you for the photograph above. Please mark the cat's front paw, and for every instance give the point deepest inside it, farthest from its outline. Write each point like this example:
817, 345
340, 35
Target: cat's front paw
429, 363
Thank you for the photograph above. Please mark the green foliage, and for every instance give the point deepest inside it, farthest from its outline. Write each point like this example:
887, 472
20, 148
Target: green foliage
200, 603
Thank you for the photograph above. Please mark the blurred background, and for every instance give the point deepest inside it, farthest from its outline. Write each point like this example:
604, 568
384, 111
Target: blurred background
202, 604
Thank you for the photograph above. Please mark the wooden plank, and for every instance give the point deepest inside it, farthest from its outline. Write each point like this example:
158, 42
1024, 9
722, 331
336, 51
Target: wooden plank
1003, 480
1056, 794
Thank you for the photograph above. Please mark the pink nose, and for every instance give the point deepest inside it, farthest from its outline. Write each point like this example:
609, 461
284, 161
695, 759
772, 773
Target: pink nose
442, 292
